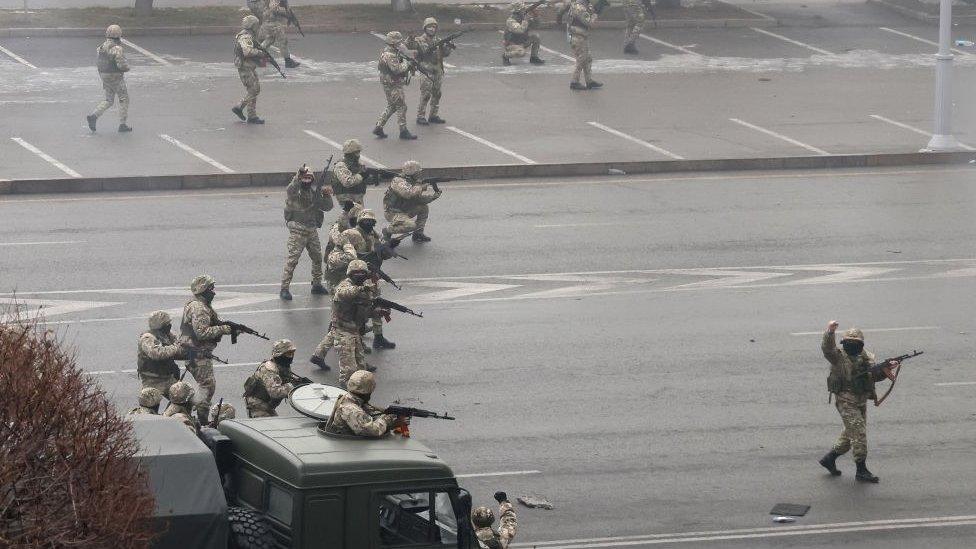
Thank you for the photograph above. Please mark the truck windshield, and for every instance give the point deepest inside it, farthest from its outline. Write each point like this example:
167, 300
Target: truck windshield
406, 520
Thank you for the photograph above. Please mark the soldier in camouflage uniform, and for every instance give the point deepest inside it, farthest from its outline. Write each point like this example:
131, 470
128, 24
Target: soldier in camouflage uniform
353, 416
264, 390
304, 207
581, 19
112, 67
636, 15
346, 176
352, 305
517, 37
220, 412
482, 518
273, 26
257, 8
364, 239
405, 205
201, 330
851, 384
432, 60
180, 399
247, 58
149, 399
394, 75
158, 352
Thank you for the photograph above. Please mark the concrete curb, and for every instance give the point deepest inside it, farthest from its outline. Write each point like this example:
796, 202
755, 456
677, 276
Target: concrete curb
919, 14
279, 179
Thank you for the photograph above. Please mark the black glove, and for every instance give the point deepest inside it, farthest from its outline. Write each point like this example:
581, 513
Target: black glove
501, 497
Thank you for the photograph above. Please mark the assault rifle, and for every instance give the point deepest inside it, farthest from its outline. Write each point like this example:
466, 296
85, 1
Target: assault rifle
387, 304
258, 46
433, 181
325, 171
375, 175
296, 379
886, 369
414, 65
292, 20
216, 419
404, 413
373, 260
238, 329
192, 354
449, 39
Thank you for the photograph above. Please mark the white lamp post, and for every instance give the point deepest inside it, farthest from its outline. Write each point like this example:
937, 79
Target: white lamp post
942, 139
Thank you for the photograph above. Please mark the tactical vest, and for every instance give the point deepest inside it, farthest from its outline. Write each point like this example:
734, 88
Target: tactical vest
338, 188
106, 62
310, 216
186, 327
354, 312
395, 203
238, 50
858, 382
156, 368
254, 387
514, 38
385, 69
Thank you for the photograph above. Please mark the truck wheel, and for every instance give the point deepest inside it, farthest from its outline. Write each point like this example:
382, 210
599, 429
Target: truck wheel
247, 530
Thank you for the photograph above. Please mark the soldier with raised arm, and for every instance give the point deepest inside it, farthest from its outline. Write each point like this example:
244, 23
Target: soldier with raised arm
482, 518
304, 212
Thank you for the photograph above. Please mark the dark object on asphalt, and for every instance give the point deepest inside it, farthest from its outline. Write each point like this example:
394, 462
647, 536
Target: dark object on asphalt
123, 128
255, 120
378, 132
318, 289
436, 120
594, 85
789, 509
291, 63
829, 463
239, 112
576, 86
863, 475
285, 294
381, 343
92, 120
505, 60
535, 502
405, 134
536, 60
501, 496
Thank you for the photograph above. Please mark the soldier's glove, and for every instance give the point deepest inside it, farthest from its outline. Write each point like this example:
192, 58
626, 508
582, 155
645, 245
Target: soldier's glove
501, 497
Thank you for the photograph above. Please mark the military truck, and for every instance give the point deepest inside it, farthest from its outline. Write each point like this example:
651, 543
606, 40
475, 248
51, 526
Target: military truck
285, 483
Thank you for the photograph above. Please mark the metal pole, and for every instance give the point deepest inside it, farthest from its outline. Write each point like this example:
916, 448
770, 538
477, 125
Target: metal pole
942, 139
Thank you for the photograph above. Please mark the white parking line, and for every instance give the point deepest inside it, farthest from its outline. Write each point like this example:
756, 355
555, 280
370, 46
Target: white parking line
16, 57
501, 474
41, 243
146, 52
487, 143
552, 51
956, 384
633, 139
919, 39
196, 153
46, 157
791, 41
563, 225
913, 129
338, 146
670, 45
780, 136
872, 330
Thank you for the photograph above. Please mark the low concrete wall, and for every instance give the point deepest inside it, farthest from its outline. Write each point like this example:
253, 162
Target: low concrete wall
272, 179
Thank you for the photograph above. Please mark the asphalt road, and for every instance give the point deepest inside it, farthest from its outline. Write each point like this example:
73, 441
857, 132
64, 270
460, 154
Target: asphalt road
643, 351
691, 93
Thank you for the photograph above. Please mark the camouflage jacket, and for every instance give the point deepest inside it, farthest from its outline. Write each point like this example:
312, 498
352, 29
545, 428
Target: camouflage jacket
305, 206
430, 58
158, 353
347, 179
352, 305
404, 194
849, 377
488, 538
246, 56
200, 326
351, 417
111, 58
393, 69
265, 384
581, 18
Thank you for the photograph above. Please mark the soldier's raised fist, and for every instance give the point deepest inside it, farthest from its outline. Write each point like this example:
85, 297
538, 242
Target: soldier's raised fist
832, 326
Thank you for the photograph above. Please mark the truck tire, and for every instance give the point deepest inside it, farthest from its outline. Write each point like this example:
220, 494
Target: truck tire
247, 530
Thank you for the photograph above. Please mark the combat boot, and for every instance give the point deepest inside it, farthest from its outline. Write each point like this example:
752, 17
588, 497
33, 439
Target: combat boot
863, 474
419, 236
378, 132
630, 48
291, 63
319, 289
123, 128
434, 119
320, 362
576, 86
536, 61
594, 85
255, 120
239, 111
506, 61
285, 294
405, 134
92, 120
380, 343
829, 463
421, 121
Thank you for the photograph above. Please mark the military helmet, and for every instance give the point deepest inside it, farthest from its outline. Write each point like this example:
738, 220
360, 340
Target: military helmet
150, 397
351, 146
158, 319
181, 393
201, 284
282, 347
430, 21
250, 21
225, 411
393, 38
366, 213
362, 382
411, 167
482, 517
854, 334
356, 210
113, 31
357, 265
518, 7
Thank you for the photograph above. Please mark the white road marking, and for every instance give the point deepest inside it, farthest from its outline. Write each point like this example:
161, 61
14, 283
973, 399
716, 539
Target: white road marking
913, 129
41, 243
843, 273
338, 146
54, 307
873, 330
670, 45
551, 51
563, 225
956, 384
196, 153
457, 290
919, 39
487, 143
17, 58
726, 277
46, 157
791, 41
790, 140
633, 139
499, 474
146, 52
753, 533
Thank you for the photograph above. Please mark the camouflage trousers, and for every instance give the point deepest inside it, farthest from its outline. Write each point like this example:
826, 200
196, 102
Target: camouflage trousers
581, 51
259, 408
395, 103
403, 223
430, 91
249, 77
114, 85
513, 51
161, 384
346, 197
327, 343
855, 435
301, 238
635, 23
352, 355
202, 371
273, 34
